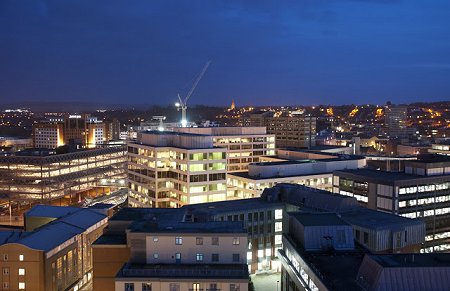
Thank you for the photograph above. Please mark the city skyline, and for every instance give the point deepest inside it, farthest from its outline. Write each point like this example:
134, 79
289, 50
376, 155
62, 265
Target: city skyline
302, 52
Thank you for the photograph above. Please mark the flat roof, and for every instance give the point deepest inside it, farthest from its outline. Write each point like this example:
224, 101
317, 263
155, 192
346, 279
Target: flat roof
381, 175
413, 260
317, 219
239, 205
373, 219
167, 132
188, 227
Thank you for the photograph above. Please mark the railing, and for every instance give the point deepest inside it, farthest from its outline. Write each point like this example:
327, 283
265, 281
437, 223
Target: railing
187, 272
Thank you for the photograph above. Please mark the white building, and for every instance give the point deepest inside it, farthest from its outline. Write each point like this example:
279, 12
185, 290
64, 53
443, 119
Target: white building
169, 169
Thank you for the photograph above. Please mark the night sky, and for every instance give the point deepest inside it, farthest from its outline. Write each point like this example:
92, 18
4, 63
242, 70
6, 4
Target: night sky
263, 52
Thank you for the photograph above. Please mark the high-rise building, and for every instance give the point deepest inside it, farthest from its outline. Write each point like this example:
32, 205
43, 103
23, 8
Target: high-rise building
244, 144
421, 191
55, 251
48, 135
171, 169
396, 117
295, 131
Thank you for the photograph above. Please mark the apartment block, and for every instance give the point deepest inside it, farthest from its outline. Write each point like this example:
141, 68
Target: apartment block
244, 144
170, 169
421, 191
296, 131
168, 251
55, 254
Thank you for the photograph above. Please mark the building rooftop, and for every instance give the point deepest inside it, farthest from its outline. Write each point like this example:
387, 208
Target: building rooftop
216, 208
165, 226
53, 234
372, 219
41, 210
377, 175
413, 260
317, 219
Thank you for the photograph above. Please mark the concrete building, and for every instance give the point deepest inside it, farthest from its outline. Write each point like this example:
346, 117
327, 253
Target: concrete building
318, 254
396, 117
244, 144
296, 131
169, 251
48, 135
290, 167
83, 130
441, 148
421, 191
170, 169
54, 253
47, 177
412, 149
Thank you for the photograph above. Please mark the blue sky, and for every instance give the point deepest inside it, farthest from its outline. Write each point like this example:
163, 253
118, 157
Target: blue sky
262, 52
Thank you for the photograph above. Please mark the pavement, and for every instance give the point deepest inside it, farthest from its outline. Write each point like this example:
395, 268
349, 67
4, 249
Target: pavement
266, 281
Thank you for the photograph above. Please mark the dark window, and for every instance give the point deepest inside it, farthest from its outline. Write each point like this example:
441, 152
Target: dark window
235, 257
366, 237
215, 257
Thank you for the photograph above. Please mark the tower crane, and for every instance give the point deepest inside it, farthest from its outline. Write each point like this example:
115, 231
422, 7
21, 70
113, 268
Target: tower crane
182, 104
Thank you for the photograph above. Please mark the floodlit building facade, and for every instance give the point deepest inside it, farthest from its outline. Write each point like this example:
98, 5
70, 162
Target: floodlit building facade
244, 144
169, 169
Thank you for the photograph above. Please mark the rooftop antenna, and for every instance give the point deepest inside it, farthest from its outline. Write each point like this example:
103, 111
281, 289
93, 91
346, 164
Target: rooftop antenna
182, 104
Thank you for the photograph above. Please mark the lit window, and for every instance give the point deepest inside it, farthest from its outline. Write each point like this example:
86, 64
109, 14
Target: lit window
21, 285
21, 271
235, 240
21, 258
278, 213
155, 255
199, 257
278, 226
178, 240
155, 239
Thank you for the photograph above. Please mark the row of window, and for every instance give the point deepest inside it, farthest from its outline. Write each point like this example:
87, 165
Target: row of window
21, 271
6, 257
176, 287
199, 257
199, 240
6, 285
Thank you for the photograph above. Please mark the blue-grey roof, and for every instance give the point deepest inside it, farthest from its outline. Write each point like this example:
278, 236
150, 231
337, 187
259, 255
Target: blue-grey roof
51, 235
50, 211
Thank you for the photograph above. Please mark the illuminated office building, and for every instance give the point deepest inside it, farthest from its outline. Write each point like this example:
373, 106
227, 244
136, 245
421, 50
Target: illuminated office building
244, 144
170, 169
421, 191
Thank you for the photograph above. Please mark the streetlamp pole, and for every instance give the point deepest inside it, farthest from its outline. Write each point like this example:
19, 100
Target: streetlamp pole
277, 284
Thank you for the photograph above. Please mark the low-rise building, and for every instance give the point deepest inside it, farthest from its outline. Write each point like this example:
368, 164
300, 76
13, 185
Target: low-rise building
168, 251
313, 169
55, 251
